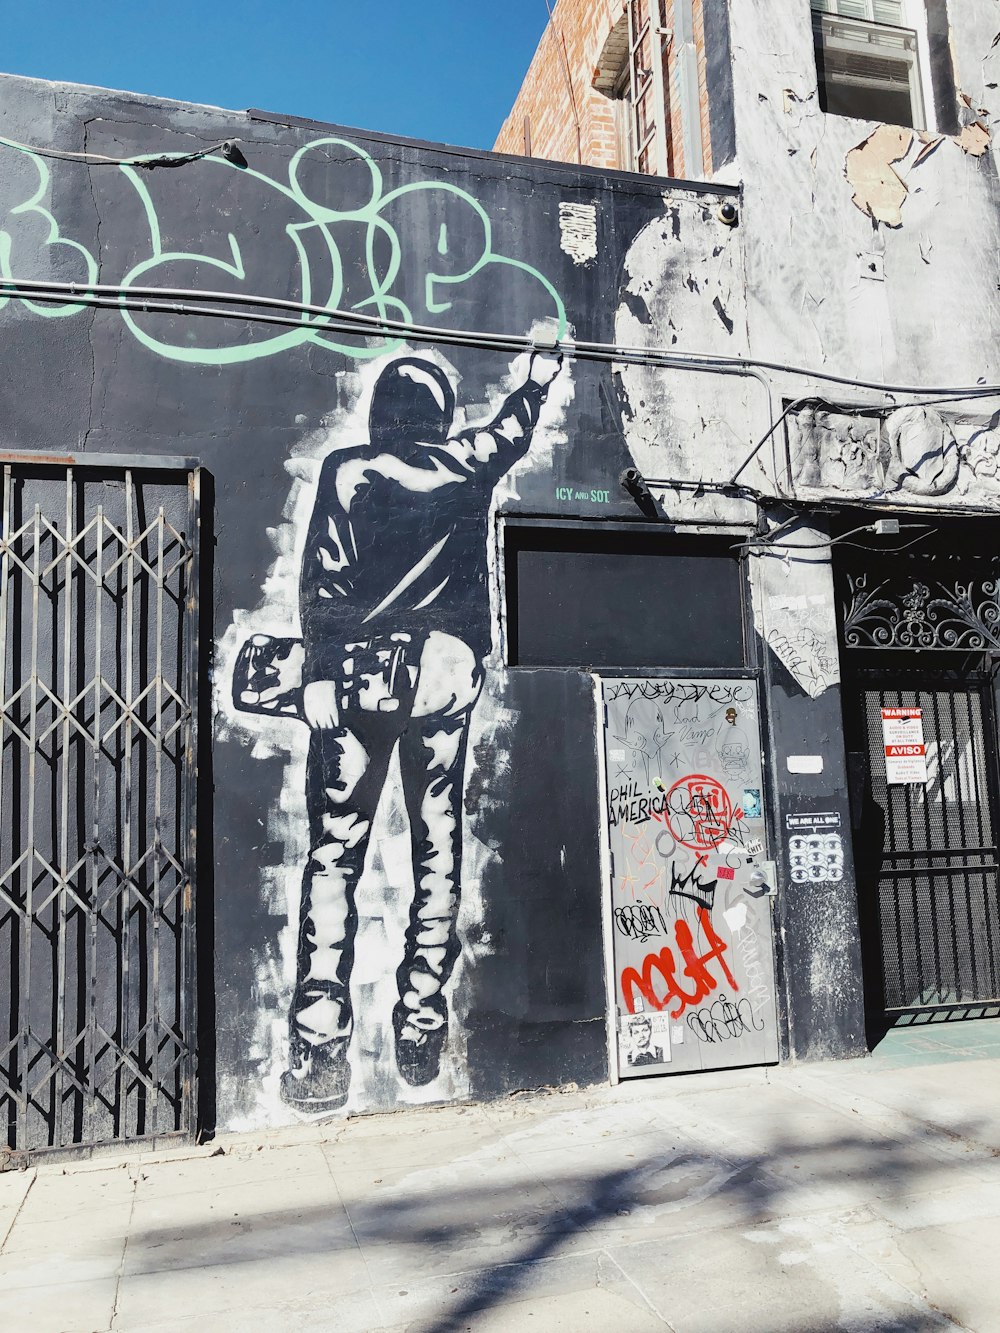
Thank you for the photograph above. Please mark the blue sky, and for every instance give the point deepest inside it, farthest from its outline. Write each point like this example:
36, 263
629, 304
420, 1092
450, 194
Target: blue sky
429, 69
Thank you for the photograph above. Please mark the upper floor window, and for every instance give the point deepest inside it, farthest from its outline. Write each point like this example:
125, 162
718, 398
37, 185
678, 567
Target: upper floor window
632, 71
621, 95
868, 60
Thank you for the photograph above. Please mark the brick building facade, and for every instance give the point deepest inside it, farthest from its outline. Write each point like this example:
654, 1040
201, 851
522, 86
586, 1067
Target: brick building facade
596, 93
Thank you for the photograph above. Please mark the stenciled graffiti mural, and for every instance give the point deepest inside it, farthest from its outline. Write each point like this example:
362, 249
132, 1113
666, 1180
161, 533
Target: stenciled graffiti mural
364, 661
394, 612
693, 958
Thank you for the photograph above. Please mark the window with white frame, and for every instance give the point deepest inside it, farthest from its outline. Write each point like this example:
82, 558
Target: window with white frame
868, 60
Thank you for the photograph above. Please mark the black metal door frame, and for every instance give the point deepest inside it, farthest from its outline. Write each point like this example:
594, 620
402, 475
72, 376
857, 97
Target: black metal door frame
99, 692
919, 611
950, 888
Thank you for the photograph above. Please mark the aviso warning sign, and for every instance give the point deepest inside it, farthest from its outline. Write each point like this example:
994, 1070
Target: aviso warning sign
905, 752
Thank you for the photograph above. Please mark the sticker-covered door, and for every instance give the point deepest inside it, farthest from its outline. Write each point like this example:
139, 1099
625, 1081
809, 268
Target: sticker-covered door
693, 959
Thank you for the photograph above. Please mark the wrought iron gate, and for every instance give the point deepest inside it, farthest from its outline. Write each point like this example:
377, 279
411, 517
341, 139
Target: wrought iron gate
928, 862
98, 670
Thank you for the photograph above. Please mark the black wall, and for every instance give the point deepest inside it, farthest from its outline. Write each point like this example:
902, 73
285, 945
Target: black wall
84, 382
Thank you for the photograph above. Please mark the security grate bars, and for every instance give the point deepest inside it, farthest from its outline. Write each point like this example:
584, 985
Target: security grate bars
937, 882
98, 666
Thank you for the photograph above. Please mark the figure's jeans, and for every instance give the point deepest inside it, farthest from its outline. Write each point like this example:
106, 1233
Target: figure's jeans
346, 771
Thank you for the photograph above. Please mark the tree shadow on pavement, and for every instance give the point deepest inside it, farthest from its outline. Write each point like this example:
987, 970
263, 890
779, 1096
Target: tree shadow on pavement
469, 1247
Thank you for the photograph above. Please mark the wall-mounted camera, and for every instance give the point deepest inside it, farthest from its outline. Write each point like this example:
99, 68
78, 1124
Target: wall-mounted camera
728, 214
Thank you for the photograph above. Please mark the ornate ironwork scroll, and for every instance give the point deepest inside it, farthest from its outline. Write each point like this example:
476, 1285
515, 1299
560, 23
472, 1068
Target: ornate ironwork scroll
909, 614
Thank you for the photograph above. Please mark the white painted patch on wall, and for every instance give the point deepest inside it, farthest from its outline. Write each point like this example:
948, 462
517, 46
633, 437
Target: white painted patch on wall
578, 232
793, 608
550, 432
682, 290
804, 763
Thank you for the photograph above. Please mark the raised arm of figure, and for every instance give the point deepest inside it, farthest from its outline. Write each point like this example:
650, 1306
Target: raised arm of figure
487, 452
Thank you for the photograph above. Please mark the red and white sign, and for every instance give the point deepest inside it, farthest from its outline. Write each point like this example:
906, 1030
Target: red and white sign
905, 752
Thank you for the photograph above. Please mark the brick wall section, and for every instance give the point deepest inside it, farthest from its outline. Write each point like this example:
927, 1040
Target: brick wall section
706, 129
545, 93
546, 100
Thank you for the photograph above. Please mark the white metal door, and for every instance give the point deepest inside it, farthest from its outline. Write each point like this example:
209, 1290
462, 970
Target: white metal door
690, 890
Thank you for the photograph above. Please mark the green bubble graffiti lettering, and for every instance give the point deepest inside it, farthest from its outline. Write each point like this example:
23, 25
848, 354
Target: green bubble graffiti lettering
53, 240
469, 247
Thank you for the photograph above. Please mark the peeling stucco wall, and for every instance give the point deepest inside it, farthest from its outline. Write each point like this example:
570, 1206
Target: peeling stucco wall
682, 290
869, 252
928, 213
872, 252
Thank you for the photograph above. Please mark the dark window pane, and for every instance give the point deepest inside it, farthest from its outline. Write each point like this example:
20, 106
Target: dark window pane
868, 70
883, 104
588, 599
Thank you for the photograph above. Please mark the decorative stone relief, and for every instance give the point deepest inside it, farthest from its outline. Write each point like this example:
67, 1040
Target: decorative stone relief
908, 454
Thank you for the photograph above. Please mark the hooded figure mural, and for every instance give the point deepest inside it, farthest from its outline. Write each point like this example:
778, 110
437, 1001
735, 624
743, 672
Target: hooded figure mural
395, 616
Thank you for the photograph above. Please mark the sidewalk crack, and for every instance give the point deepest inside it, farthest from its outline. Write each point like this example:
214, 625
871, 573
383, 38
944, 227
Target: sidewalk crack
638, 1290
121, 1267
350, 1222
17, 1211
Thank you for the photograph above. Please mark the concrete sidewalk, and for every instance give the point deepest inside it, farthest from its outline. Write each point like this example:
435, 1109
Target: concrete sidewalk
855, 1196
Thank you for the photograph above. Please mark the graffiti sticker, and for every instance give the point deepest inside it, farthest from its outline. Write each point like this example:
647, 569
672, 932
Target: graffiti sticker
699, 812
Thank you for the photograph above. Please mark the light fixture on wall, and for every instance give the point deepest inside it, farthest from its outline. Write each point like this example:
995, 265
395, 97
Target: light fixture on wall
633, 482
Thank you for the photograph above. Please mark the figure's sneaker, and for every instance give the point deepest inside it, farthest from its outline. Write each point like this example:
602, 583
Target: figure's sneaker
418, 1050
319, 1077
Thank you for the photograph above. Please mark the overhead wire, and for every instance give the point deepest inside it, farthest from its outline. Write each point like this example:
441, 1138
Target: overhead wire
289, 313
884, 550
769, 542
177, 300
583, 350
145, 161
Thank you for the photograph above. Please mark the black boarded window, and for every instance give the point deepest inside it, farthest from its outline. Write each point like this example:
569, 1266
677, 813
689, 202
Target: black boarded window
580, 597
867, 61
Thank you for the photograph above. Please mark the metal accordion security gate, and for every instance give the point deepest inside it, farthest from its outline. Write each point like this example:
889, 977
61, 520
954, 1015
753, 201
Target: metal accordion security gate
98, 688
